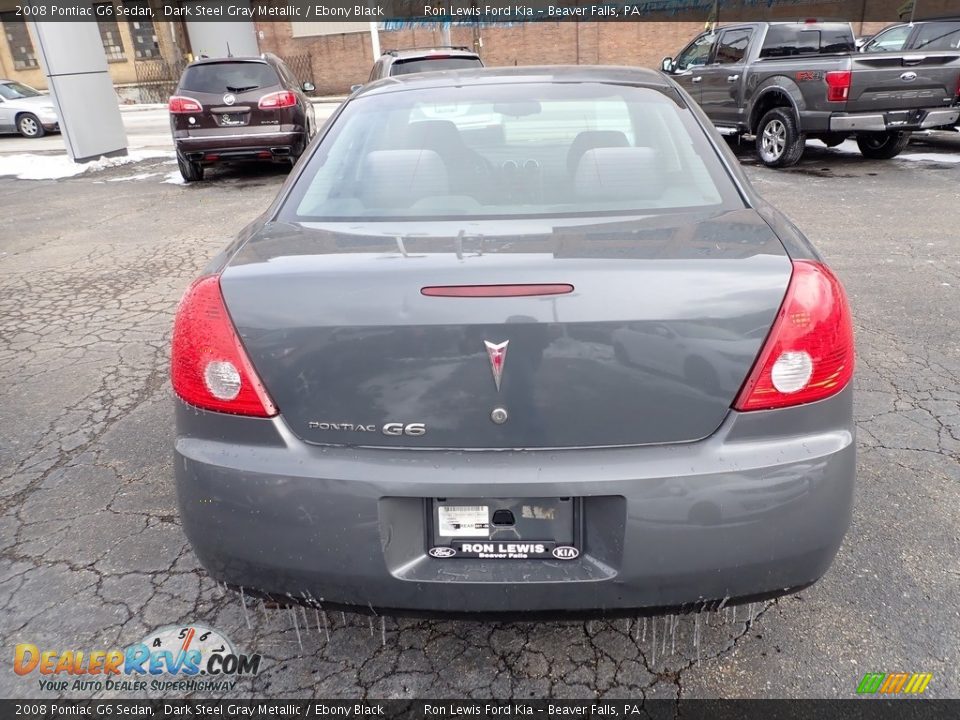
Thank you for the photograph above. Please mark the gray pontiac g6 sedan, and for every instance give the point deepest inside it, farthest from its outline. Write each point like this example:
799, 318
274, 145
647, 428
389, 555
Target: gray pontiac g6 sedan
516, 341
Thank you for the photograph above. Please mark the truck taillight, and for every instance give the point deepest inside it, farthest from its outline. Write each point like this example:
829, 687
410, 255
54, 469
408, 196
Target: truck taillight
179, 104
838, 85
277, 100
809, 354
209, 367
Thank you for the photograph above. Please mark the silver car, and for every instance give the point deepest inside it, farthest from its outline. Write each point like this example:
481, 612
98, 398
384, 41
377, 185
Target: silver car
26, 111
548, 354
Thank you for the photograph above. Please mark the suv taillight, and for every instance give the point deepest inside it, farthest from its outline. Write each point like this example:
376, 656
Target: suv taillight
838, 85
808, 354
208, 366
179, 104
276, 100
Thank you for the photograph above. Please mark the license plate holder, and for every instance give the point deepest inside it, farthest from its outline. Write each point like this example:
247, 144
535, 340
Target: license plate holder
232, 119
504, 528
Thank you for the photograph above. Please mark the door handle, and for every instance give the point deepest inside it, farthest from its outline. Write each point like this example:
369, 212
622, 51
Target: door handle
913, 59
697, 79
732, 78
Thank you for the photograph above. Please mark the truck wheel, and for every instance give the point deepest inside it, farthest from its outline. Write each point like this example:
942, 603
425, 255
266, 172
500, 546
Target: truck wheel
882, 146
191, 171
779, 141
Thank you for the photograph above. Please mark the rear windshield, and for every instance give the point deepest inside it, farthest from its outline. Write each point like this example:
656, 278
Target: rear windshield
938, 36
514, 150
790, 40
403, 67
229, 77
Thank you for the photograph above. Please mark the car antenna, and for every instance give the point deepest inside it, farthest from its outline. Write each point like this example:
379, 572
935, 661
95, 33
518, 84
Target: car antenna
229, 53
913, 11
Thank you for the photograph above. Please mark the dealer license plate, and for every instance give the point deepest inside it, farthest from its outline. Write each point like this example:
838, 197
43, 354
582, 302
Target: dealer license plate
464, 520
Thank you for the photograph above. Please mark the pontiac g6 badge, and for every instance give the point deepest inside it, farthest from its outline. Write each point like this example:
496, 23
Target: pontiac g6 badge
498, 355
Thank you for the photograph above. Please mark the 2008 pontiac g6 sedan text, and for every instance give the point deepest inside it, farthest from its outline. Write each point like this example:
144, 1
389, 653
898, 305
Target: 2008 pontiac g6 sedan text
516, 340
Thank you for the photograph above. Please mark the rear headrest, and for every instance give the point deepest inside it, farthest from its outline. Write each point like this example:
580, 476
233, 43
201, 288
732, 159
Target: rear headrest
630, 173
398, 178
440, 135
590, 139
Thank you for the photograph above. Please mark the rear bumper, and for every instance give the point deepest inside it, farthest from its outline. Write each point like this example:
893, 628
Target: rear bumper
900, 120
230, 146
758, 509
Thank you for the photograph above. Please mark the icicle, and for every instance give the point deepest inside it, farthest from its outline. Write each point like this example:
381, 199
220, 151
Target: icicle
663, 650
263, 609
696, 636
317, 618
243, 601
343, 616
654, 663
326, 625
296, 626
673, 634
370, 618
734, 613
644, 628
383, 631
629, 621
306, 625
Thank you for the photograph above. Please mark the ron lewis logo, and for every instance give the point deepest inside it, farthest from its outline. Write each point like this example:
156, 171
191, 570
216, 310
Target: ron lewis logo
177, 657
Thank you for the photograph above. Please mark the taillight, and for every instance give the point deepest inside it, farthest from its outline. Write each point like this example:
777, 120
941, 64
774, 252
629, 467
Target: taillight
208, 366
808, 354
179, 104
277, 100
838, 85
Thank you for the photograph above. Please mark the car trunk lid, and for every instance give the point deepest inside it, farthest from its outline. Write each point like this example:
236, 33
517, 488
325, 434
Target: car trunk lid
663, 324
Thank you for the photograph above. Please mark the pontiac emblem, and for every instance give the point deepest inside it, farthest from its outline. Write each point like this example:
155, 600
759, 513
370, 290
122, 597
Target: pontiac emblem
498, 355
229, 99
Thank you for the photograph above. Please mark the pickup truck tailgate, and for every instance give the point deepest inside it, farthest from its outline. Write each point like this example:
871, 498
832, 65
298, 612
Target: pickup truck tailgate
903, 81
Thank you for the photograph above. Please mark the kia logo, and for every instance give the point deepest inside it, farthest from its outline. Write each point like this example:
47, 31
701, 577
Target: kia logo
908, 76
565, 552
441, 551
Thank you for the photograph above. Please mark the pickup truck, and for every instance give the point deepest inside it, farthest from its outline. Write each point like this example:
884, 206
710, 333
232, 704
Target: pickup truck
785, 82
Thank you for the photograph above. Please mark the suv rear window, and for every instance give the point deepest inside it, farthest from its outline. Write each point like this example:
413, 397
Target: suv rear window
790, 40
229, 77
404, 67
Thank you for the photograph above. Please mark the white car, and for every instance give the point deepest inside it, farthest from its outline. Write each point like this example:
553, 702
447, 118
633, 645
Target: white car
26, 111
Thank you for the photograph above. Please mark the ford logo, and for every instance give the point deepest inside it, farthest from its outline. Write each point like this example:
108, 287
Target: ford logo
442, 551
909, 76
565, 552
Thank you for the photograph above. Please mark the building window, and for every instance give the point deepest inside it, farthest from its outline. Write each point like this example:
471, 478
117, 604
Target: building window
142, 32
109, 32
18, 39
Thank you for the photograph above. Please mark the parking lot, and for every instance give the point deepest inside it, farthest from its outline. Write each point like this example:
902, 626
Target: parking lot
91, 268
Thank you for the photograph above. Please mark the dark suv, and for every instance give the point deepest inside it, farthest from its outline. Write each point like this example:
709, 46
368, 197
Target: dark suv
940, 35
239, 108
415, 60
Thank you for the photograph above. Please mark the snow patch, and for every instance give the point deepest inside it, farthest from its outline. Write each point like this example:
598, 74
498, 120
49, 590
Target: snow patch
174, 178
28, 166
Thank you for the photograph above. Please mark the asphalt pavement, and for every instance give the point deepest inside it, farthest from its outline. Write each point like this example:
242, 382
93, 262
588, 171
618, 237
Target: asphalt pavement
91, 551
